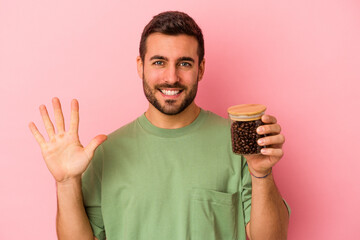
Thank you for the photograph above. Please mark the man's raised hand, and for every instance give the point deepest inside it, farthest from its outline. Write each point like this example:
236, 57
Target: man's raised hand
64, 155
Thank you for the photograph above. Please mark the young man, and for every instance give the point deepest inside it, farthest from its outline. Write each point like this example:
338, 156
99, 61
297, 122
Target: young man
171, 173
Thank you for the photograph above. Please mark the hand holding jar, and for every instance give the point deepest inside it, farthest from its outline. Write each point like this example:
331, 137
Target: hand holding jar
257, 137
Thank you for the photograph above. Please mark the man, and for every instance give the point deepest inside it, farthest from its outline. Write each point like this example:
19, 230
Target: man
170, 174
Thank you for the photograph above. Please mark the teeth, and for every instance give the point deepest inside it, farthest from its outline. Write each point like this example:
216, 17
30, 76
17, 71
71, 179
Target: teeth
170, 92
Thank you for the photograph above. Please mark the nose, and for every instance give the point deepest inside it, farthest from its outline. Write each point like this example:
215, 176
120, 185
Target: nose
171, 75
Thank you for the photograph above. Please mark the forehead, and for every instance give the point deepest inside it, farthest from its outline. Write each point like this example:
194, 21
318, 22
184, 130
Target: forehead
171, 46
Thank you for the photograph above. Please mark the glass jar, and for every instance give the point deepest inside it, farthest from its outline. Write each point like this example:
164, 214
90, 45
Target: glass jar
246, 118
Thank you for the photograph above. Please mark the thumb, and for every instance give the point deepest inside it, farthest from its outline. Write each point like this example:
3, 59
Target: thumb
94, 143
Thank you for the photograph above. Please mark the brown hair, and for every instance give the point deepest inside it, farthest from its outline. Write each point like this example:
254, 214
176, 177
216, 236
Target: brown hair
172, 23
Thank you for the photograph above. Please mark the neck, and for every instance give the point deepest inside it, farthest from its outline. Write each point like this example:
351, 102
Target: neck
179, 120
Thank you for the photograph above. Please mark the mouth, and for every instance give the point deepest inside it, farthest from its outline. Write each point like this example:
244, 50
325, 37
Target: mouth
170, 92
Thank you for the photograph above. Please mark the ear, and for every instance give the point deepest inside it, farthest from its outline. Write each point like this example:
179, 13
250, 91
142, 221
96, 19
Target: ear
201, 69
140, 68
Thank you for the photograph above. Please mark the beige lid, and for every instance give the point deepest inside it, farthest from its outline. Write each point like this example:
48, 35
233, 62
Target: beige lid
246, 112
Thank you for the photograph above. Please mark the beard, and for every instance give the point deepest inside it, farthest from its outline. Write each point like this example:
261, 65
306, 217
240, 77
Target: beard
170, 107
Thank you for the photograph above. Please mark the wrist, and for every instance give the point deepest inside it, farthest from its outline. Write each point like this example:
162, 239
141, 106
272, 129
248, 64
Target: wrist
70, 182
262, 175
69, 190
259, 173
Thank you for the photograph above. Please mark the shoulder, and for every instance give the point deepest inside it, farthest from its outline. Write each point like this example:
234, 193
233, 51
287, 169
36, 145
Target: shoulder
215, 125
124, 133
215, 120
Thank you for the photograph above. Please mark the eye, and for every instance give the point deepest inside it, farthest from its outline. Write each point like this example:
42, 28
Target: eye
158, 63
185, 64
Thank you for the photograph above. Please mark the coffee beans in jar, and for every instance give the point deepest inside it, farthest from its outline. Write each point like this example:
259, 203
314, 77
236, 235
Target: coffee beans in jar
246, 118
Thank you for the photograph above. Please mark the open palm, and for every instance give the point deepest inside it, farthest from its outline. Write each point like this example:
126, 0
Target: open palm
63, 154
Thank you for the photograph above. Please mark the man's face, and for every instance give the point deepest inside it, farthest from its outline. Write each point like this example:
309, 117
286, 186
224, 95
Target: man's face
170, 72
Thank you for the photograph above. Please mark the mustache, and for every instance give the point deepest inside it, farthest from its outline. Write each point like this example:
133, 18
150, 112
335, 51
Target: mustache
175, 85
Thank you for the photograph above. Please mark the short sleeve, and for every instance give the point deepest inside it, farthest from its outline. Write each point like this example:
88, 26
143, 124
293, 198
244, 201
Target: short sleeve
246, 194
91, 189
288, 207
246, 191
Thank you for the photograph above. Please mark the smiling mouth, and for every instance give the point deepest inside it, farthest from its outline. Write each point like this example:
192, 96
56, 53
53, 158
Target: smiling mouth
170, 92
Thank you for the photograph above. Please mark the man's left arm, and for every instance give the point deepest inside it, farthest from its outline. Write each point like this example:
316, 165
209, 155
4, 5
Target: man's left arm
269, 216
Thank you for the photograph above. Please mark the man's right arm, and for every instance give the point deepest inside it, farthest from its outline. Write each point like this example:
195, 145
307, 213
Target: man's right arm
67, 160
71, 220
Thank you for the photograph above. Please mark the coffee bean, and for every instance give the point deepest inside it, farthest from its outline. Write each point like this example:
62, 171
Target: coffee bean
244, 137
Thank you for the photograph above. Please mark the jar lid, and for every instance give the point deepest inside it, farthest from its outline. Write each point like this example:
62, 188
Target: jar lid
246, 112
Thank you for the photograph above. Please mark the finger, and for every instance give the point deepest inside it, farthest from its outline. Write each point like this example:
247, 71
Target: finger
38, 137
49, 127
272, 140
94, 143
74, 119
268, 119
59, 118
269, 129
273, 152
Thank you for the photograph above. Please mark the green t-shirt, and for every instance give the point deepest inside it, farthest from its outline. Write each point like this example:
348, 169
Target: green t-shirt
146, 182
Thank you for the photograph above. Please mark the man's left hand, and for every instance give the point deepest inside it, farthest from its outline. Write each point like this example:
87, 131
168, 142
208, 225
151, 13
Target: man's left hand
261, 164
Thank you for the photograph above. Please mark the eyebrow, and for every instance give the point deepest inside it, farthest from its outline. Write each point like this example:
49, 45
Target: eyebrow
159, 57
186, 59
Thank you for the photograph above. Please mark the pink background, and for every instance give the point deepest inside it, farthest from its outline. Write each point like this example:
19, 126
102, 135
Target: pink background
300, 58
